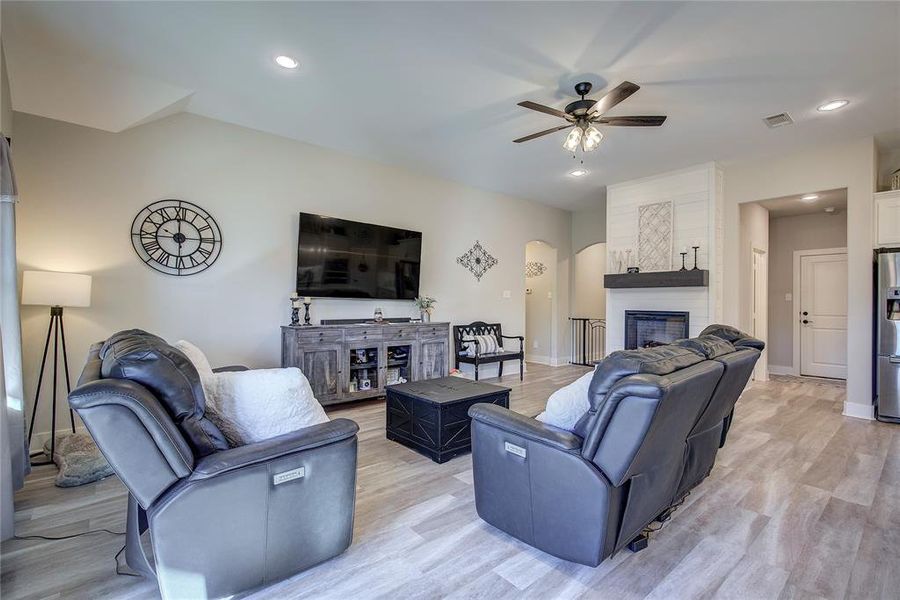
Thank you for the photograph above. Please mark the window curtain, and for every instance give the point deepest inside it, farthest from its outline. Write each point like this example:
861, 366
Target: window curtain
14, 463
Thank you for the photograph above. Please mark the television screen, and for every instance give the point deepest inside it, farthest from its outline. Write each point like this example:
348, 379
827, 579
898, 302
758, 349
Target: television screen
346, 259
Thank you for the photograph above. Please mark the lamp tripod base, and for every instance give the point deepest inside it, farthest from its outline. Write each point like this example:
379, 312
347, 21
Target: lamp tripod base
57, 331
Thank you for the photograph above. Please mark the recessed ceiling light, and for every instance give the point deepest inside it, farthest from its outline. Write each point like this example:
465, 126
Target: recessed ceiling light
287, 62
833, 105
578, 173
810, 198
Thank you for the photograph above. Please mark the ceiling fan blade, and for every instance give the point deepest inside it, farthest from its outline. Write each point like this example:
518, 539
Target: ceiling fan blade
644, 121
616, 95
540, 133
544, 109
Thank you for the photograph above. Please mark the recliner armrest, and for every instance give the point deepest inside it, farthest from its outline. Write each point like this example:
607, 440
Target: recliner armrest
276, 447
531, 429
230, 368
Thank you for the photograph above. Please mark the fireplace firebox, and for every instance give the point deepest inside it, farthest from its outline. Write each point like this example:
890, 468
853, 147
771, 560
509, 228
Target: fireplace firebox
649, 328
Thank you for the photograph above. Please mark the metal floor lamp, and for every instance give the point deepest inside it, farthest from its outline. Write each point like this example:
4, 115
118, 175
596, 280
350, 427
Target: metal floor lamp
56, 290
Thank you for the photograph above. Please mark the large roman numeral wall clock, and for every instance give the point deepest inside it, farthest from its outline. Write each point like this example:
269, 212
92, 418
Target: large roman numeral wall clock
176, 237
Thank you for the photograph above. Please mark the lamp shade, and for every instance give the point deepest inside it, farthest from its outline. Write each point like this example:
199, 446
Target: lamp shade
48, 288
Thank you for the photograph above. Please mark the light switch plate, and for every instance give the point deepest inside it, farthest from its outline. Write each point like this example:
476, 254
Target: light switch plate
789, 297
507, 294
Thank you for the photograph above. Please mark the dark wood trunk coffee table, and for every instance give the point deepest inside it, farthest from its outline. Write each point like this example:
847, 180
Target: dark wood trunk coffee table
432, 416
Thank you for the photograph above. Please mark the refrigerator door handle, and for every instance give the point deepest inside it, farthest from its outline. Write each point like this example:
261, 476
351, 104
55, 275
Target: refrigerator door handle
894, 359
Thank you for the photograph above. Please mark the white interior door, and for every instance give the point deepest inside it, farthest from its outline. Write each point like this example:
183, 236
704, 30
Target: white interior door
823, 315
760, 308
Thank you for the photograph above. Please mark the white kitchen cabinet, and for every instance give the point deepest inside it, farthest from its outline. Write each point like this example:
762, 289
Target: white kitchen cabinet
887, 218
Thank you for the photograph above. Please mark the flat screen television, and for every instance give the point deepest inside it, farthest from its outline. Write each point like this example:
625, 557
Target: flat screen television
345, 259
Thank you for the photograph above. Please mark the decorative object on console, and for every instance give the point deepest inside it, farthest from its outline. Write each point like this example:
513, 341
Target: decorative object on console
295, 309
534, 269
307, 302
176, 237
56, 290
696, 247
655, 236
379, 315
425, 305
477, 260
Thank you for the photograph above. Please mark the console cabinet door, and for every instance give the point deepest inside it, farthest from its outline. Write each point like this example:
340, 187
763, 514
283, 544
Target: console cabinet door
321, 364
433, 358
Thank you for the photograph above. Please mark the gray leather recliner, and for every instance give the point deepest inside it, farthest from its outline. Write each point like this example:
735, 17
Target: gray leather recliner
222, 520
584, 495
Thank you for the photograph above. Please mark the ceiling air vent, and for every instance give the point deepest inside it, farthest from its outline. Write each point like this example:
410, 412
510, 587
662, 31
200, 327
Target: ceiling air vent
778, 120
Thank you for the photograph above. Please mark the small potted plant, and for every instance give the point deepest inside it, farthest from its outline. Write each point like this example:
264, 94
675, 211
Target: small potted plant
425, 305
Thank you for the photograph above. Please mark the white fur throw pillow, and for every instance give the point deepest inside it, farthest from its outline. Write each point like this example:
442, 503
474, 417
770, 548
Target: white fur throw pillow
198, 359
255, 405
567, 404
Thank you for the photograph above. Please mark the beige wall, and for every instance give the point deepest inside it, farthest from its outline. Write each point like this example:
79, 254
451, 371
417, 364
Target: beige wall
786, 235
588, 227
5, 101
848, 165
589, 298
541, 305
81, 188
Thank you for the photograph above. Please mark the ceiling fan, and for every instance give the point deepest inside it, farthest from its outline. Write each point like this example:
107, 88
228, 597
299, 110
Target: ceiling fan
582, 114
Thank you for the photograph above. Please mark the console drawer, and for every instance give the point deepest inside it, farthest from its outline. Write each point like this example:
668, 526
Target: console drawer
433, 331
313, 336
394, 333
358, 334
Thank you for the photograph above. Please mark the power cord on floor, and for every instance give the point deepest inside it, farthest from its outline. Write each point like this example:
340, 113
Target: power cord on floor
76, 535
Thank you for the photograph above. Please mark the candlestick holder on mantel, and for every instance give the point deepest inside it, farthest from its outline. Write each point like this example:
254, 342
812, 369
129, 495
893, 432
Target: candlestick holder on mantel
683, 255
697, 247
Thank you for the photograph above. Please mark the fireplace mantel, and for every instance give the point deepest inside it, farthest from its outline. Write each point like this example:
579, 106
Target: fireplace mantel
657, 279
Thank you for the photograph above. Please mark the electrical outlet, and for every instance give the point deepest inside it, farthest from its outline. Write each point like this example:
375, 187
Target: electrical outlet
550, 294
507, 294
535, 344
789, 297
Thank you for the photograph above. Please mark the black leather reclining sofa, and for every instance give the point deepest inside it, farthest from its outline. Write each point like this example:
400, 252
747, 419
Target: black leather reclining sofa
657, 418
222, 520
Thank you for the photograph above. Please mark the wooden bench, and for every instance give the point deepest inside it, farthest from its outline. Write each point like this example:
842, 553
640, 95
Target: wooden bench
465, 332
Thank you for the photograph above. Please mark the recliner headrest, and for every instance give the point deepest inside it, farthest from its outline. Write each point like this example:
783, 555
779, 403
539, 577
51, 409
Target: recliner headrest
164, 370
708, 346
737, 337
660, 360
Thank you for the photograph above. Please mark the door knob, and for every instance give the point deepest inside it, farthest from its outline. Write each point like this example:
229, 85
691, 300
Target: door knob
806, 322
804, 313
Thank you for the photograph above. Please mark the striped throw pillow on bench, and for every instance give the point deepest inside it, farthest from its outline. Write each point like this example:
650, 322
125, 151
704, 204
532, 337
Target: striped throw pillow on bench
487, 344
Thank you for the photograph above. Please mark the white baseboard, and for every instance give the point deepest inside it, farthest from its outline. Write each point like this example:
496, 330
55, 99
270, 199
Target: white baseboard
859, 411
40, 437
538, 358
780, 370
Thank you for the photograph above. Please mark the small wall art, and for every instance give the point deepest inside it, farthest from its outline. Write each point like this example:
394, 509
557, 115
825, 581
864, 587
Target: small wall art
477, 260
534, 269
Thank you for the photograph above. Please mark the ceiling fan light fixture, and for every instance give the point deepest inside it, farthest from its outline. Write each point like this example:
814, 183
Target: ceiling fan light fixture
573, 139
592, 139
578, 173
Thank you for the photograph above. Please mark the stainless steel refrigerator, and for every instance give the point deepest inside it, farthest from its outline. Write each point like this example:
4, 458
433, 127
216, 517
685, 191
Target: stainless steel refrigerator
887, 334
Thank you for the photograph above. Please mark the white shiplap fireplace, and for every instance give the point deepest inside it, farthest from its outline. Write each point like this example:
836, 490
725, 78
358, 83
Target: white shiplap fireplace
696, 194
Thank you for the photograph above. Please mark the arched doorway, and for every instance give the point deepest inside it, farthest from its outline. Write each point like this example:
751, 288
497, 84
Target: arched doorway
589, 305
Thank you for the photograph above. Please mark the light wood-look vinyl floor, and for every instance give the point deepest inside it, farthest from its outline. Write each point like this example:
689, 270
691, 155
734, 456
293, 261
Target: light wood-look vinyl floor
802, 503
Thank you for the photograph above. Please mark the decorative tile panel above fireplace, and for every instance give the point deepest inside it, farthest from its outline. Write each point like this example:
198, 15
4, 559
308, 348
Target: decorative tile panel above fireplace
649, 328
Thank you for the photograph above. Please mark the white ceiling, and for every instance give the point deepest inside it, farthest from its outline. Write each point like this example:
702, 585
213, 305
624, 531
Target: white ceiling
792, 206
433, 86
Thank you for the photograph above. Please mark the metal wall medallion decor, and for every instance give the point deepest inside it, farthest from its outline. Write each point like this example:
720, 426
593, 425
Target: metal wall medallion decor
477, 260
176, 237
655, 237
534, 268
